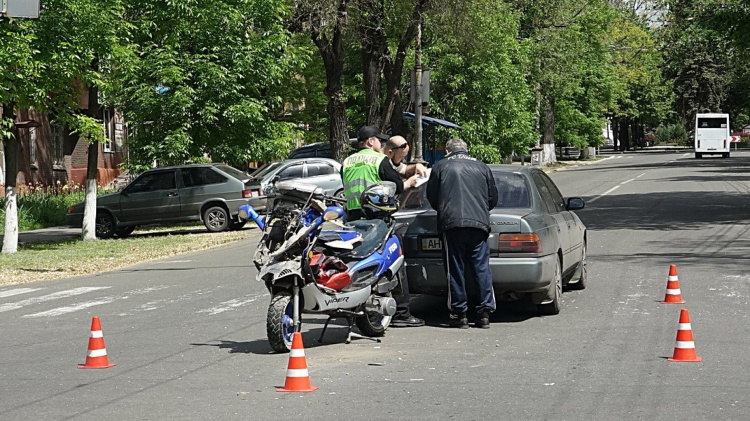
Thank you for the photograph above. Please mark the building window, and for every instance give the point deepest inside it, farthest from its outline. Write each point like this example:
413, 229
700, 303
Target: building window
109, 136
32, 145
58, 142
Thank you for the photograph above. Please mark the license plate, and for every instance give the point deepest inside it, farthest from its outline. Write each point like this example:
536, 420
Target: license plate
432, 244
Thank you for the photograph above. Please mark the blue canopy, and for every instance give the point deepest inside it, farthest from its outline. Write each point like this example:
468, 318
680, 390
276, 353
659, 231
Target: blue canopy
428, 121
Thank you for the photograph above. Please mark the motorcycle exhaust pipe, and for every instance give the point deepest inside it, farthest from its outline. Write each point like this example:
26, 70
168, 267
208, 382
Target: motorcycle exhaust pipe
381, 305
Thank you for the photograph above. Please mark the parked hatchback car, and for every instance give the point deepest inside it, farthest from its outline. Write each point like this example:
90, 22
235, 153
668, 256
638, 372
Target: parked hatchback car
211, 193
321, 172
537, 243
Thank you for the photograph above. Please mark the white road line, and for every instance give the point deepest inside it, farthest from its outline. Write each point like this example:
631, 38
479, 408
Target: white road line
17, 291
614, 188
69, 309
229, 305
49, 297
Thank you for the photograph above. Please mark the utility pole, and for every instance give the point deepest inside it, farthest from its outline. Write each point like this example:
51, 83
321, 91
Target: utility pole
418, 94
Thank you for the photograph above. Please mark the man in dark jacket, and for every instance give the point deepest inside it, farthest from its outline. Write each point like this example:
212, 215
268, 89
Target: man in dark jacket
462, 191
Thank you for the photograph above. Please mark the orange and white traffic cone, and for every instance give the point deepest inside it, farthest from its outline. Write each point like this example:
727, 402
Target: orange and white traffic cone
684, 348
673, 295
297, 377
97, 353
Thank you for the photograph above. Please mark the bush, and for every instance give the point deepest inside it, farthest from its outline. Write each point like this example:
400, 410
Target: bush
43, 207
672, 133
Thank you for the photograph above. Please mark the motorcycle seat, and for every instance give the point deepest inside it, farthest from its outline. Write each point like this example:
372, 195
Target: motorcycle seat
372, 232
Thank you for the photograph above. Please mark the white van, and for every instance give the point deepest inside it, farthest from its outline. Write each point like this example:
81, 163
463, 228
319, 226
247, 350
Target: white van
712, 135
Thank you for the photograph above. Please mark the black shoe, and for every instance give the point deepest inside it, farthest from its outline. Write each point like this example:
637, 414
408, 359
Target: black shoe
407, 321
483, 322
459, 321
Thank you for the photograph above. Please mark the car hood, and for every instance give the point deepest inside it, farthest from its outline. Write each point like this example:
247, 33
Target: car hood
105, 199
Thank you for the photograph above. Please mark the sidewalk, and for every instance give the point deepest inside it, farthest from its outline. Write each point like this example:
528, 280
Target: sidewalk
47, 235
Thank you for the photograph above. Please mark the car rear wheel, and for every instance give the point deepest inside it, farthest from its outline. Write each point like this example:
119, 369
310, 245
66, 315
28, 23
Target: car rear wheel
553, 306
581, 282
105, 225
216, 219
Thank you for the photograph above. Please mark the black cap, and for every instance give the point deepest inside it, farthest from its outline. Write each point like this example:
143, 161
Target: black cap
366, 132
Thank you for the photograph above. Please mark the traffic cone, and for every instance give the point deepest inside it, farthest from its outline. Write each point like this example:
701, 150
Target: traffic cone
297, 378
684, 348
673, 295
97, 355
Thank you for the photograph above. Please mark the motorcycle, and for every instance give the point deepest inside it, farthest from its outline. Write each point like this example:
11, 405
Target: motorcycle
350, 271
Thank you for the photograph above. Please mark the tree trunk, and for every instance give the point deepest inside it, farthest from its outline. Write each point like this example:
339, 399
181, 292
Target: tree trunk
374, 45
548, 154
615, 133
624, 135
88, 232
333, 59
392, 114
10, 238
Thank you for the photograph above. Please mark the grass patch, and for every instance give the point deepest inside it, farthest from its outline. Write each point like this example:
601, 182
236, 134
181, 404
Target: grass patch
45, 261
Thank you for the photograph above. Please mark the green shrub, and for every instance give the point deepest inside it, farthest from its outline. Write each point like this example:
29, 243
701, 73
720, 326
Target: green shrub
43, 207
671, 133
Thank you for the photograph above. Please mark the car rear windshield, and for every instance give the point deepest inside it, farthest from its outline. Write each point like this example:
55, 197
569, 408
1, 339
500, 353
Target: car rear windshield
265, 169
512, 191
511, 188
234, 172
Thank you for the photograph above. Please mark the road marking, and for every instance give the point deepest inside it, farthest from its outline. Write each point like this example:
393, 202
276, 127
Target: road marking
229, 305
69, 309
12, 292
49, 297
614, 188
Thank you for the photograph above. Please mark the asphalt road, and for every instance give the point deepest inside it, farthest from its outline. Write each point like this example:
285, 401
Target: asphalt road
188, 333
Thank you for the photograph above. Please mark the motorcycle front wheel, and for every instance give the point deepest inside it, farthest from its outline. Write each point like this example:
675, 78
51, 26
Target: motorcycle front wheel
280, 322
373, 324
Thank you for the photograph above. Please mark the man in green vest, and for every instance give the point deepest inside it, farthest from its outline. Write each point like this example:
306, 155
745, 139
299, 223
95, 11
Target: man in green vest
361, 170
367, 167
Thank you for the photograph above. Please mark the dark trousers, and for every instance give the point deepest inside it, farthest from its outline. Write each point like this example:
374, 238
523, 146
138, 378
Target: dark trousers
466, 249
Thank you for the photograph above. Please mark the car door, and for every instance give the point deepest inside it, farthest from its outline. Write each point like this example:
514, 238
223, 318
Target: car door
151, 197
200, 184
574, 232
555, 208
323, 174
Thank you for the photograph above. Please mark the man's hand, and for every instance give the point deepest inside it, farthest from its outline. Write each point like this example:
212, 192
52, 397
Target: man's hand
420, 169
411, 181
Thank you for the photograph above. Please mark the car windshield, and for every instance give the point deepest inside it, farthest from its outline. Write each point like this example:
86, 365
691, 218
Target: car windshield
234, 172
265, 169
511, 188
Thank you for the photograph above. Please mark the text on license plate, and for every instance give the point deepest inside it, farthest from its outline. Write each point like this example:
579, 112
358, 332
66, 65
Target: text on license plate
432, 243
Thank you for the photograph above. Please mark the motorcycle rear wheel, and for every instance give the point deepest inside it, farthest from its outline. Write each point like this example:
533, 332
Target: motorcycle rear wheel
373, 325
280, 322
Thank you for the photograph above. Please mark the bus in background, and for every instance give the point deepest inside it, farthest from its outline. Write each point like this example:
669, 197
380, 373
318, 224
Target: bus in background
712, 135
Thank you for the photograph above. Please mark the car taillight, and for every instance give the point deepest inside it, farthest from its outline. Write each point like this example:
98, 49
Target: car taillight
246, 194
519, 243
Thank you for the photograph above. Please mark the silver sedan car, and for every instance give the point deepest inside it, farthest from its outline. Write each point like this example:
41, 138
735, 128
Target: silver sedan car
537, 243
321, 172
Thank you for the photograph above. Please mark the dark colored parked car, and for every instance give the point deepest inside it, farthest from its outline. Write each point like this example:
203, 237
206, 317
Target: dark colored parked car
211, 193
320, 150
537, 244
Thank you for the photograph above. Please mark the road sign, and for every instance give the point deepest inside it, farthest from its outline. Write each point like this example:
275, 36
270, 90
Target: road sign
735, 139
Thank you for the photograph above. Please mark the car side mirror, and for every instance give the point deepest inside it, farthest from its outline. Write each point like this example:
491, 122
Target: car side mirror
575, 203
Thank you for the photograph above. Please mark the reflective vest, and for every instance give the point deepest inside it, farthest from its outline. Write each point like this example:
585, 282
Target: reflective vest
360, 171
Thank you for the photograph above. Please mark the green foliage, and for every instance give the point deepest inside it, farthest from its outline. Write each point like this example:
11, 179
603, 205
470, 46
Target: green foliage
224, 69
672, 133
478, 82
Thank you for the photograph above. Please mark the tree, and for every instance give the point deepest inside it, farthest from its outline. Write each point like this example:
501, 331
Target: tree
52, 57
210, 80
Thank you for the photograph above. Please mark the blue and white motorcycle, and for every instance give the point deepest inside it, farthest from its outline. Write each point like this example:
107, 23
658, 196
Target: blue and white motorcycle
349, 271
